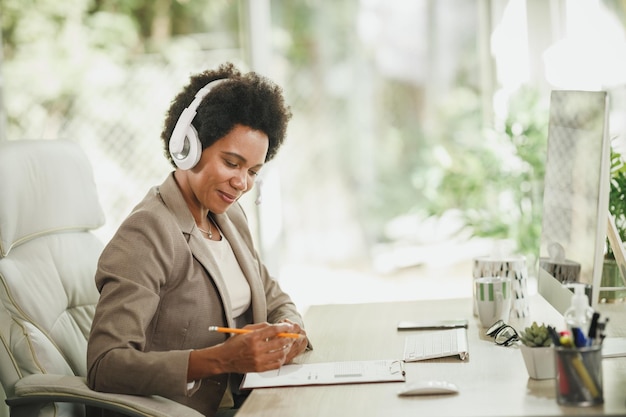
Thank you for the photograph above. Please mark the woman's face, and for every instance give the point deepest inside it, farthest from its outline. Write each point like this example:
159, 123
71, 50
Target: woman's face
227, 169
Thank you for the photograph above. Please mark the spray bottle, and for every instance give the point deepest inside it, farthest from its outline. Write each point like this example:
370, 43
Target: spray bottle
579, 314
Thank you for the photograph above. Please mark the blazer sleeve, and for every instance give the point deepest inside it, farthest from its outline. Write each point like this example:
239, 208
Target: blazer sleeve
132, 271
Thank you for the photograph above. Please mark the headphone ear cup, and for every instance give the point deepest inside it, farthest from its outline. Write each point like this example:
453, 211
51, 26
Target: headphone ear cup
195, 147
180, 144
185, 146
191, 152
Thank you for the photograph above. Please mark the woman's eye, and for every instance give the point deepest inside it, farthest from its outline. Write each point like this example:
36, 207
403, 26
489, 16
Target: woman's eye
230, 164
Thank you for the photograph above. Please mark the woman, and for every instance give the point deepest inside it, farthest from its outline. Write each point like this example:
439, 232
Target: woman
183, 260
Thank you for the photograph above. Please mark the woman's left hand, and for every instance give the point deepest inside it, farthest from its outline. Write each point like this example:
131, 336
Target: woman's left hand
299, 345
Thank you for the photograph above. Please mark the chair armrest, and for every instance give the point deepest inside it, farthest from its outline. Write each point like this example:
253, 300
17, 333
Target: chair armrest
38, 390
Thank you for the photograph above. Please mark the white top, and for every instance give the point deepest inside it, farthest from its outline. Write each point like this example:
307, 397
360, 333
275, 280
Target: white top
238, 287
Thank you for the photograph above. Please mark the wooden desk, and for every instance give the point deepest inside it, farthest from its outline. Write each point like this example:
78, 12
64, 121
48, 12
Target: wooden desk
493, 382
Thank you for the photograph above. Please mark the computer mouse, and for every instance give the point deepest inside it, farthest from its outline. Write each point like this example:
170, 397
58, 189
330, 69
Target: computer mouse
429, 387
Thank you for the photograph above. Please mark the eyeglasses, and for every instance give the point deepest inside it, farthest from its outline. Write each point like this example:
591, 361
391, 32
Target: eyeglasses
503, 334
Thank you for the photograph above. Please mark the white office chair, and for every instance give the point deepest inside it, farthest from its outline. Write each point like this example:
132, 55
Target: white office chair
48, 256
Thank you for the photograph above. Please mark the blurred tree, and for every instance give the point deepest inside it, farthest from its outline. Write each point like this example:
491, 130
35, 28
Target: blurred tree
54, 50
496, 175
102, 73
380, 145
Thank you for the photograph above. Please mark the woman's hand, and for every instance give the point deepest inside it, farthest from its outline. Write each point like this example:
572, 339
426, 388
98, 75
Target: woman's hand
260, 350
299, 345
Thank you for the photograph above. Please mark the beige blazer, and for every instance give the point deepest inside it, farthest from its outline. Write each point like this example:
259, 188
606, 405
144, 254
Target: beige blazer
160, 289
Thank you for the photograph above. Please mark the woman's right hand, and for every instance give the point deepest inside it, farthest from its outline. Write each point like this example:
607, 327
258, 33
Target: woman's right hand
260, 350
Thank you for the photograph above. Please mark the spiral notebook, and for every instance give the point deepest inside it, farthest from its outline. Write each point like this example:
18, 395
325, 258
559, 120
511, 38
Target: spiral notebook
433, 344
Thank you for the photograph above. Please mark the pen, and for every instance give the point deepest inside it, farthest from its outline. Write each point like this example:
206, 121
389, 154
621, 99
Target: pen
564, 379
582, 372
242, 331
554, 336
601, 330
579, 337
565, 339
593, 329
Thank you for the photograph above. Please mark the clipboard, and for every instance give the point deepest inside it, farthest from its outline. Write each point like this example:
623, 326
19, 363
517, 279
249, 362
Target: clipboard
326, 373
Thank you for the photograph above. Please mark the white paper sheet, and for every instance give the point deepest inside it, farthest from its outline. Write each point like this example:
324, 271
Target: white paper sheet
350, 372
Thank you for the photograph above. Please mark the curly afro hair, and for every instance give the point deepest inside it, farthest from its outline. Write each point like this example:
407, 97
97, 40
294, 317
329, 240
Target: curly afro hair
245, 99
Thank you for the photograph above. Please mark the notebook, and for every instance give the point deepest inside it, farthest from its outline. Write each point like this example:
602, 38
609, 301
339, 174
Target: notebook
436, 344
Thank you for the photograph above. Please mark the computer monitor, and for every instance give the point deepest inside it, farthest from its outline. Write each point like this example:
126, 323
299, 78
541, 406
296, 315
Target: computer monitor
576, 196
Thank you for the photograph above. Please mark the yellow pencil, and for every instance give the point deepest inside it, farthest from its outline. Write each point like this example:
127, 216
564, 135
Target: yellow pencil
242, 331
586, 378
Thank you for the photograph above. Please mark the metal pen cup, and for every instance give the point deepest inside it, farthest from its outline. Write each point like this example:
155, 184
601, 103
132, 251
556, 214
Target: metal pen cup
579, 375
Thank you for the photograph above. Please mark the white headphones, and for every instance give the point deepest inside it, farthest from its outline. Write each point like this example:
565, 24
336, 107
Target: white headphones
185, 146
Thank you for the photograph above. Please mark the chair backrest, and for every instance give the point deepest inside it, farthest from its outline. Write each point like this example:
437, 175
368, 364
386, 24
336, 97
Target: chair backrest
48, 256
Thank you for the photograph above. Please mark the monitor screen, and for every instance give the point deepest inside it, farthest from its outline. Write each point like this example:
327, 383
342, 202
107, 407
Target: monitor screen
576, 196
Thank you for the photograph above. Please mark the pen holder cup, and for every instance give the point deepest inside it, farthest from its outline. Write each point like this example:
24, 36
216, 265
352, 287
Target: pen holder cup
579, 375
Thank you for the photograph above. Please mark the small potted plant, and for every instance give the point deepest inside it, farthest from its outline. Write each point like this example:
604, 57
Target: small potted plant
538, 352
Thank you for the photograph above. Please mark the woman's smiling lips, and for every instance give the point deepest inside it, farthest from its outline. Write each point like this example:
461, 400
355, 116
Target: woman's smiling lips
227, 197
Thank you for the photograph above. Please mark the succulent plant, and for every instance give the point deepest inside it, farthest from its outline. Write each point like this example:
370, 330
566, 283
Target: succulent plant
536, 336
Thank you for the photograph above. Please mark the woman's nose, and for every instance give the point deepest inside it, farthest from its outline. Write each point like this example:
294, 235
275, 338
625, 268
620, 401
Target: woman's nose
240, 182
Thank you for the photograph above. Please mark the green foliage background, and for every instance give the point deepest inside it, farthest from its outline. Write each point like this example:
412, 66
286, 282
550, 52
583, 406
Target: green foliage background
70, 68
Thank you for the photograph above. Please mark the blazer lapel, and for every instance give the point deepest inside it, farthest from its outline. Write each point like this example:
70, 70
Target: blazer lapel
207, 260
173, 199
